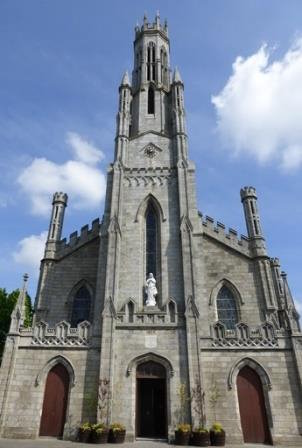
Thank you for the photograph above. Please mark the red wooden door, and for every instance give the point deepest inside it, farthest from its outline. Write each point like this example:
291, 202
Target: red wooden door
252, 408
55, 402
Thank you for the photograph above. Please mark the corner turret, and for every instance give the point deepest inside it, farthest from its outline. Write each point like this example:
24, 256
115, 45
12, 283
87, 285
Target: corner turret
59, 204
252, 218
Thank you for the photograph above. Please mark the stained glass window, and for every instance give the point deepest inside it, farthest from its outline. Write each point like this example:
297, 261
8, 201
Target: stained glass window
151, 240
226, 308
81, 306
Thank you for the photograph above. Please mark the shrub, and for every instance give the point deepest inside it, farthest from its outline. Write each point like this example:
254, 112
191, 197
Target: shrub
117, 427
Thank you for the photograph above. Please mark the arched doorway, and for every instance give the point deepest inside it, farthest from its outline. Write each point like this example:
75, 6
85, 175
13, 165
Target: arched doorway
151, 400
252, 407
55, 402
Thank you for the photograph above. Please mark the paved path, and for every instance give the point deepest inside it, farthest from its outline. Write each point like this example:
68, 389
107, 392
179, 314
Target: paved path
53, 443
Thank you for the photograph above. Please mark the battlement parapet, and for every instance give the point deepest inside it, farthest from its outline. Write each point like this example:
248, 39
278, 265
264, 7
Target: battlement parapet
75, 240
218, 231
151, 26
59, 196
248, 192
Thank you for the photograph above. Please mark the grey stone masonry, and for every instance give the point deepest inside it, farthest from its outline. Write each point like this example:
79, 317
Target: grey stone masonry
223, 306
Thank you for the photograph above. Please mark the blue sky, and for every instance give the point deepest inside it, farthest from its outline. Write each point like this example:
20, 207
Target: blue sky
61, 64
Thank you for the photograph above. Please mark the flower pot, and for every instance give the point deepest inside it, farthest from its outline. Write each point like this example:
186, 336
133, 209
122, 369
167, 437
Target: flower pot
99, 437
217, 438
84, 436
200, 438
116, 436
182, 438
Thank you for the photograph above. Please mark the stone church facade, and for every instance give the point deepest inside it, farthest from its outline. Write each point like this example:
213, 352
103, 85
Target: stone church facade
223, 316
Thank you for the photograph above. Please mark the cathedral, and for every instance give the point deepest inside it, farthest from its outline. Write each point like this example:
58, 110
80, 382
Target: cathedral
155, 300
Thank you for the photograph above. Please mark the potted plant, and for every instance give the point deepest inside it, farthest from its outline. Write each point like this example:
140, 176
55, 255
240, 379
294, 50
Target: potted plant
217, 435
117, 433
99, 433
183, 429
182, 434
85, 432
200, 435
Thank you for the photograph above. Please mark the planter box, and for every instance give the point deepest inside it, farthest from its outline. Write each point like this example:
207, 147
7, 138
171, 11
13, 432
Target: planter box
99, 437
217, 438
84, 436
182, 438
200, 438
116, 436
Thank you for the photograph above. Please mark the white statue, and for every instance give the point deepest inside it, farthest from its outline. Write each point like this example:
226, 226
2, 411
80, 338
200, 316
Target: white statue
150, 290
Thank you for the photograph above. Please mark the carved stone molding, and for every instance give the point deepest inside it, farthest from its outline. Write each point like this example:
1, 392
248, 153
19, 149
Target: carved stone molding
244, 336
62, 335
146, 180
151, 150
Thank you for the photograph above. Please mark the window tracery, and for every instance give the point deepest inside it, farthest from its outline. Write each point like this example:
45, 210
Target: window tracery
81, 306
227, 308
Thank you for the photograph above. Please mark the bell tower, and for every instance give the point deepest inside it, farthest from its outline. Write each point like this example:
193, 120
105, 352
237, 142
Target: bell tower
151, 228
151, 78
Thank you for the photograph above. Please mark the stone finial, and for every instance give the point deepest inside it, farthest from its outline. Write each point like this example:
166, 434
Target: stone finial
25, 278
176, 76
18, 313
125, 80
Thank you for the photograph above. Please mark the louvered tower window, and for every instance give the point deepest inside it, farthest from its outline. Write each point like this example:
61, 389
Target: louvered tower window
151, 62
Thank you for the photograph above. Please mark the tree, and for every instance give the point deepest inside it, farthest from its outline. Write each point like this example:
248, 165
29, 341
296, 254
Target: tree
7, 304
198, 401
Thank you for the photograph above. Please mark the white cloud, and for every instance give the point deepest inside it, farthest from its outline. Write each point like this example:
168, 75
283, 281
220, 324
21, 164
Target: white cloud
30, 251
81, 178
259, 109
84, 151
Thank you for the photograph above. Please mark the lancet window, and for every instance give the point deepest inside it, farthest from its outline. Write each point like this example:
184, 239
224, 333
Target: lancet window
81, 306
151, 62
151, 100
163, 63
227, 308
151, 240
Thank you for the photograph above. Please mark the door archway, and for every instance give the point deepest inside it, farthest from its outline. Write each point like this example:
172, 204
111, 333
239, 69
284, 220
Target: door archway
55, 402
151, 400
252, 407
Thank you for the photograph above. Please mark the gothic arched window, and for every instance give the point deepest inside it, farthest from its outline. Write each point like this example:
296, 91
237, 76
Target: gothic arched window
151, 100
227, 308
81, 306
151, 240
